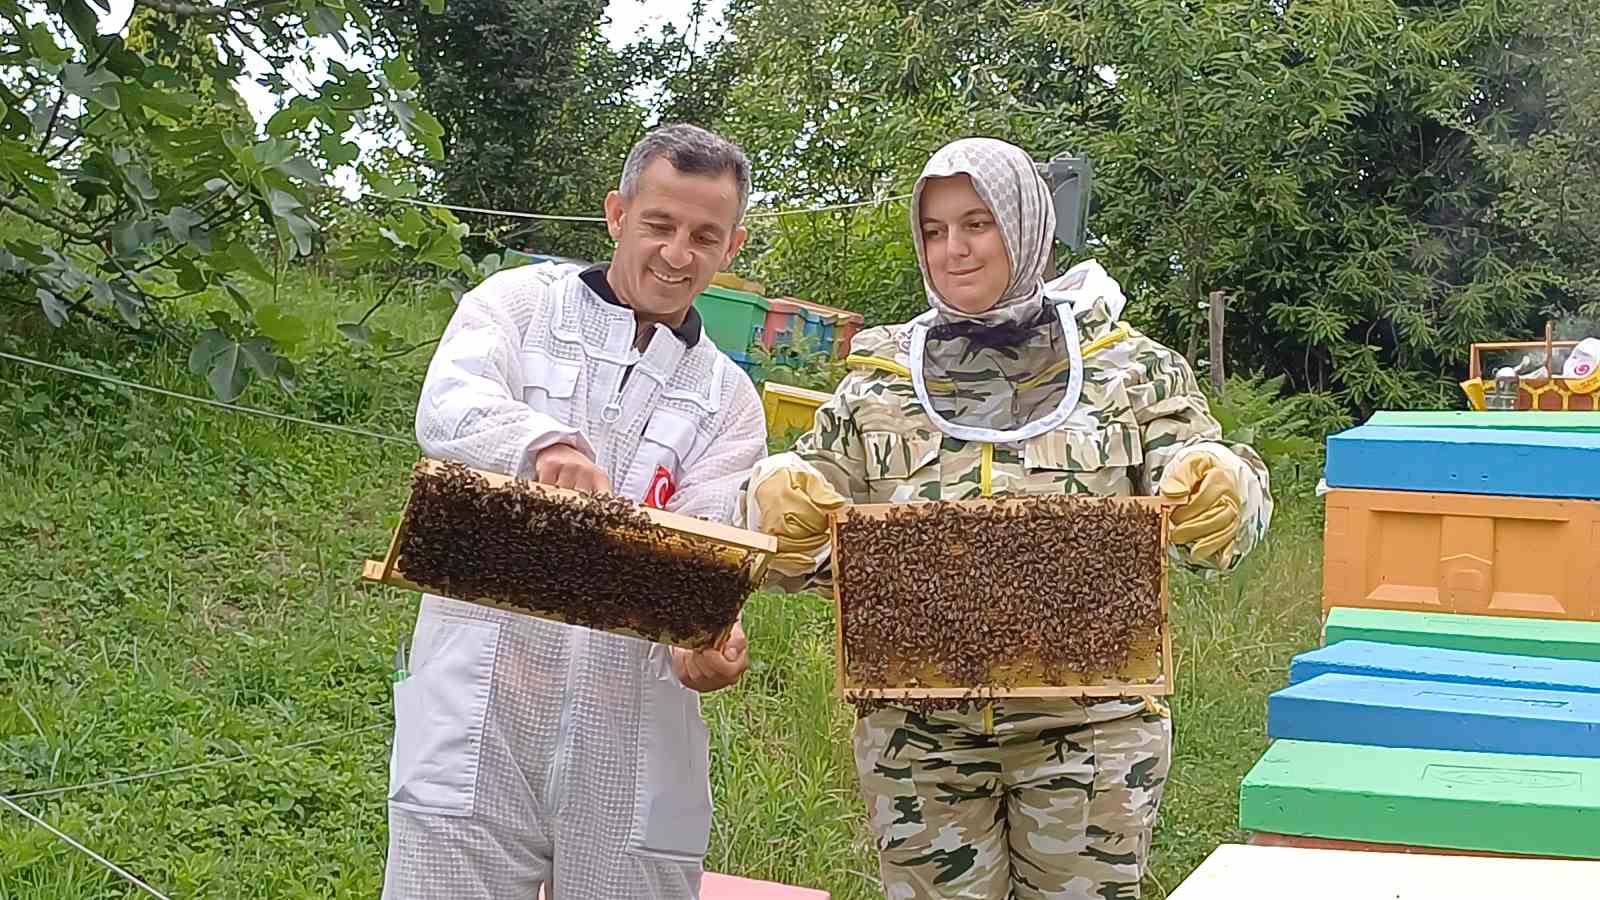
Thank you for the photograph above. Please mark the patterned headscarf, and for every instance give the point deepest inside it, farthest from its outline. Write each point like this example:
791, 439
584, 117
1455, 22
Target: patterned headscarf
1006, 366
1004, 177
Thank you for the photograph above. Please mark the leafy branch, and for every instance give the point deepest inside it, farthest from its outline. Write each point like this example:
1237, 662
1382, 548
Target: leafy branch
134, 177
178, 8
48, 220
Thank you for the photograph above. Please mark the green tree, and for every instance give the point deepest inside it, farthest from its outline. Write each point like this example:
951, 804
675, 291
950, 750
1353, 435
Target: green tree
536, 110
121, 198
843, 103
1318, 160
1544, 150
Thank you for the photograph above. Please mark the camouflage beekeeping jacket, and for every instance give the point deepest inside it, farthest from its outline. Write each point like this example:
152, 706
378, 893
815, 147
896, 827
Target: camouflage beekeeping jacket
1140, 411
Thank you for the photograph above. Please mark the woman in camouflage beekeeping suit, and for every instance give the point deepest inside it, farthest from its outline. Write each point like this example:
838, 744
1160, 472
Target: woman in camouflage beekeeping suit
1010, 386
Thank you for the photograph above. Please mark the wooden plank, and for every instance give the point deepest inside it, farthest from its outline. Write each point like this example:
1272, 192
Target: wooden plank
1438, 798
1103, 689
883, 510
1168, 676
1148, 672
790, 392
1247, 872
1379, 660
840, 681
1466, 461
716, 886
394, 547
1144, 674
1523, 345
689, 526
1554, 638
1269, 839
1513, 420
1478, 554
1402, 712
1215, 325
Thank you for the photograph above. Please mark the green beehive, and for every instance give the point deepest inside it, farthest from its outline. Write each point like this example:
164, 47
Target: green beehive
732, 318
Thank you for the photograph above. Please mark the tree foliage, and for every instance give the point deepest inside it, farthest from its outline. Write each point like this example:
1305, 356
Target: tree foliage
137, 176
535, 106
1375, 183
1544, 149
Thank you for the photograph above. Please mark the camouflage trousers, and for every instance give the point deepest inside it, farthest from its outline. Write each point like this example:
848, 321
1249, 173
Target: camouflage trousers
1035, 799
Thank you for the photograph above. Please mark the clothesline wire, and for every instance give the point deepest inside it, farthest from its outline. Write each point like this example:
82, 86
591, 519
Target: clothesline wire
207, 401
551, 217
190, 767
124, 874
11, 801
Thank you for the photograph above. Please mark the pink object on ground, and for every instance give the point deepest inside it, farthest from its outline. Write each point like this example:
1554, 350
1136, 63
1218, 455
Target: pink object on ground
731, 887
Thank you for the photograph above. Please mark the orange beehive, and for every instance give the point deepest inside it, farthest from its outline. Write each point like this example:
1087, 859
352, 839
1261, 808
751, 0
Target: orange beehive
1462, 553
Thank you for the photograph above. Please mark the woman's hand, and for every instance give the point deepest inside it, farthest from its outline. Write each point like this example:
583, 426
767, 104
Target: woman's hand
1208, 518
793, 506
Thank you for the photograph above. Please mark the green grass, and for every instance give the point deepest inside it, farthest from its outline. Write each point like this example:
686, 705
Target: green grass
182, 585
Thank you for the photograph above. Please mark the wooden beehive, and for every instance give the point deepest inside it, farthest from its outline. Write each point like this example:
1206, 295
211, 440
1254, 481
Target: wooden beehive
1472, 554
1144, 670
653, 543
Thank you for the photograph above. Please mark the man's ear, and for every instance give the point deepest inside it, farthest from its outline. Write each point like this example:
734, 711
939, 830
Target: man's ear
739, 236
615, 207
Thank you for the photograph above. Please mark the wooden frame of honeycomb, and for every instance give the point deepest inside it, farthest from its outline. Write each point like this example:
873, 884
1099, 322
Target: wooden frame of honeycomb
1145, 667
651, 537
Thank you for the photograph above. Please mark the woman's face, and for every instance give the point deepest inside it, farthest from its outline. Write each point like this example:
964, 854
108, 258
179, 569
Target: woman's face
966, 256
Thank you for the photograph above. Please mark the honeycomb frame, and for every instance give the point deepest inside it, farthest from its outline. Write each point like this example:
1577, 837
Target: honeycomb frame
1147, 671
676, 534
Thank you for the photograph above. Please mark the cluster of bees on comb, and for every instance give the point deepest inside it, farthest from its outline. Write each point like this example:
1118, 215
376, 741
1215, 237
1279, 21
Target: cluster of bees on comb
971, 595
591, 560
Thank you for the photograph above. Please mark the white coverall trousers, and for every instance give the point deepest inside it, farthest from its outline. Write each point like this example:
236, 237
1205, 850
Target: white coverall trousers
529, 753
504, 781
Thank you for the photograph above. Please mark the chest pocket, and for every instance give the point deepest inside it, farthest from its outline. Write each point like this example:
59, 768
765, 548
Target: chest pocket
1101, 461
550, 384
901, 467
667, 441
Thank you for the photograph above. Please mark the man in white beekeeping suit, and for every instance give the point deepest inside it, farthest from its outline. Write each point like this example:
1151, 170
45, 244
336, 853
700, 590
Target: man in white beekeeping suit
531, 754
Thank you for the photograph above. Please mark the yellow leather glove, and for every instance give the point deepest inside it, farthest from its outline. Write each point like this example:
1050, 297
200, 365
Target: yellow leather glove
1208, 518
794, 505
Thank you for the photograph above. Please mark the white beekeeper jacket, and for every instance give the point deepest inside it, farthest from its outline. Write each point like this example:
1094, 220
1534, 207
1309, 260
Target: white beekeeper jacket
526, 752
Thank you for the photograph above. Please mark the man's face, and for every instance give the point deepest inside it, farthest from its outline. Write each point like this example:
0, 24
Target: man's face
673, 236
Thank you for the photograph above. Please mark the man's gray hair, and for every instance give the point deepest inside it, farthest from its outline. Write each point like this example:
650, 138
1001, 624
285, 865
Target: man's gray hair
693, 151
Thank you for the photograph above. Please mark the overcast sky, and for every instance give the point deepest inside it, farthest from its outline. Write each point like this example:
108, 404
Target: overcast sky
626, 19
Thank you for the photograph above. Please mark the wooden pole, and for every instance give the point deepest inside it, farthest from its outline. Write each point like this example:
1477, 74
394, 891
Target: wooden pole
1218, 312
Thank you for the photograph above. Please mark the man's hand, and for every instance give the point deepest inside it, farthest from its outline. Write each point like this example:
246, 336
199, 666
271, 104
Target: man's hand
565, 466
712, 670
